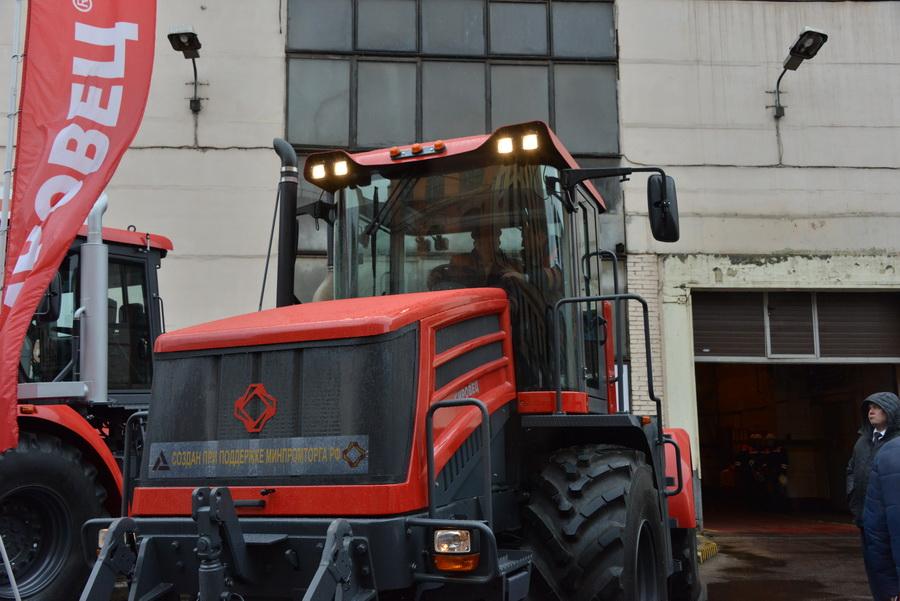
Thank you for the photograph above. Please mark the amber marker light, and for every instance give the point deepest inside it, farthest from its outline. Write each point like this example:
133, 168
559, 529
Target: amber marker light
457, 563
529, 142
440, 145
394, 151
645, 420
416, 148
505, 145
318, 171
340, 168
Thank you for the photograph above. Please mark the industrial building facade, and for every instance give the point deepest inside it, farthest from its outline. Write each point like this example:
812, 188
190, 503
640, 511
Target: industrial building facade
772, 317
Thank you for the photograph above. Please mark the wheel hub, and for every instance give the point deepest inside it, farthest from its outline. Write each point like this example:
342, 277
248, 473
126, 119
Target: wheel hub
34, 524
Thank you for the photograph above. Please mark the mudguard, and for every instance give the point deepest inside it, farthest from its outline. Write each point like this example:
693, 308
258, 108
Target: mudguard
681, 506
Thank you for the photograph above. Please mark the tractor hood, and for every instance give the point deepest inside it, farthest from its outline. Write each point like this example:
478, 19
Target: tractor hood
326, 320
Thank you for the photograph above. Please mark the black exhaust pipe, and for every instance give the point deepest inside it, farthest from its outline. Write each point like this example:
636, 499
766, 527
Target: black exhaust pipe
287, 225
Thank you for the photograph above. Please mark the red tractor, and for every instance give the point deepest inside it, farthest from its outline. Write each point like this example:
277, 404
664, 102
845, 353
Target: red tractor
450, 425
84, 370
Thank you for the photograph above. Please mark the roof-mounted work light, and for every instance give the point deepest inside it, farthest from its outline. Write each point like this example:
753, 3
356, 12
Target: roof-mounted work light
806, 47
184, 40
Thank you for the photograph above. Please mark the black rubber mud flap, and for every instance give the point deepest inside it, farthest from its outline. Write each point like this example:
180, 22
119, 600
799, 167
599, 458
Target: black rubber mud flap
117, 558
336, 579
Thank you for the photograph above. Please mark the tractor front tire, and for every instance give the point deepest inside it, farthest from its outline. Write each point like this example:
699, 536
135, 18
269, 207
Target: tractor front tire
594, 525
47, 491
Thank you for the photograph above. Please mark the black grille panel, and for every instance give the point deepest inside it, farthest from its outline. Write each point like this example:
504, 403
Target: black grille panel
363, 388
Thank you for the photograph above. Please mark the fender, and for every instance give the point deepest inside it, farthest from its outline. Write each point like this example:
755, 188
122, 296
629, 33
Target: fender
681, 506
65, 418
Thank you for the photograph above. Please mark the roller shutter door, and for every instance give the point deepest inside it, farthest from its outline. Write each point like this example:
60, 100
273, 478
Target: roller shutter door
800, 326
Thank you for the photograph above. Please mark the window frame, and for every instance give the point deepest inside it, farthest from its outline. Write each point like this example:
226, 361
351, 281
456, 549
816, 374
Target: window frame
419, 56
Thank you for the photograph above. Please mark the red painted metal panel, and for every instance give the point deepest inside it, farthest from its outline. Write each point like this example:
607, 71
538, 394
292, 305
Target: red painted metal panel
544, 401
326, 320
681, 507
66, 417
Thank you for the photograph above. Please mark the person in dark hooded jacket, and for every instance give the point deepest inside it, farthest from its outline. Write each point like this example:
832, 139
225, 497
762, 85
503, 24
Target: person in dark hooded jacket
880, 412
881, 524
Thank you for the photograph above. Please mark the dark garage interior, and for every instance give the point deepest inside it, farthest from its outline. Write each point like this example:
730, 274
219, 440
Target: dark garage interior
777, 437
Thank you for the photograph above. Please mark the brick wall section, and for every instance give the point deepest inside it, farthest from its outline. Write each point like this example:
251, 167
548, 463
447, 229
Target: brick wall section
643, 279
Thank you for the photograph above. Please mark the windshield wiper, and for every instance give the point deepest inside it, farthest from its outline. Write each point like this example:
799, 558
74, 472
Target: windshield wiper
379, 215
388, 206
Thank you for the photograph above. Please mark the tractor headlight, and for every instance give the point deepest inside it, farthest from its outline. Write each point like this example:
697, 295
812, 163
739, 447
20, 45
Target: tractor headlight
505, 145
340, 168
530, 142
318, 171
452, 541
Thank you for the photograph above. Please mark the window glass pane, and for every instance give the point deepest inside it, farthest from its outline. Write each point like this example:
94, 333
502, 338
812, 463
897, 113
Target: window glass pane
387, 25
453, 99
518, 94
584, 29
455, 27
518, 28
129, 329
387, 104
319, 102
319, 25
48, 346
587, 117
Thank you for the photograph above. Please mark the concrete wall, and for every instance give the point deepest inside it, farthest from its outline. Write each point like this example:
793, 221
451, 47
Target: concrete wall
815, 193
206, 181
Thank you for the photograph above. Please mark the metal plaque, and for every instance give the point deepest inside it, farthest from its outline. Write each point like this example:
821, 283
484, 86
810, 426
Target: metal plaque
297, 456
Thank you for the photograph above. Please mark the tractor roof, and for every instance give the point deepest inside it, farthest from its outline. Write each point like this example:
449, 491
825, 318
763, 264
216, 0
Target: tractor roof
132, 238
465, 152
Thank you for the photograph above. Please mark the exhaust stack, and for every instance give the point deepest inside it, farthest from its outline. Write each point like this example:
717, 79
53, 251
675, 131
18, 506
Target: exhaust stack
287, 225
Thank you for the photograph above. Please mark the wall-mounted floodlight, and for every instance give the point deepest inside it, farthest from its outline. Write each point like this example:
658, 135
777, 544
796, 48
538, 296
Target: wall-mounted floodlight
184, 40
806, 47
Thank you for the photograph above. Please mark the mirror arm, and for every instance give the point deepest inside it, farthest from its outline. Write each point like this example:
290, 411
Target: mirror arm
569, 178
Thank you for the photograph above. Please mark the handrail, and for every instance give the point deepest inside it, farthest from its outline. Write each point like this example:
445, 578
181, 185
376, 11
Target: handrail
594, 299
620, 321
487, 474
126, 460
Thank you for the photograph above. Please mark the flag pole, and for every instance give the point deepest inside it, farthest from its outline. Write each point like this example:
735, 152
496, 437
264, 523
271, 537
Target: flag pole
6, 187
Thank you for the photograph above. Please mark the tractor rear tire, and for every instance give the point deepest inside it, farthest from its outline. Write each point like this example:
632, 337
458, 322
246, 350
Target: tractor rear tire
47, 491
594, 525
685, 585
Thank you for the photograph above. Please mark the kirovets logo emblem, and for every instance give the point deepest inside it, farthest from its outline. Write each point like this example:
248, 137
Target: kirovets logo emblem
255, 408
83, 5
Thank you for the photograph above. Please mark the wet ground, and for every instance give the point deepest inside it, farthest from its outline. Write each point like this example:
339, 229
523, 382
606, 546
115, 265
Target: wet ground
785, 560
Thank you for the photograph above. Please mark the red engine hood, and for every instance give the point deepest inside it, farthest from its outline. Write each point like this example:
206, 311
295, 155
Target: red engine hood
326, 320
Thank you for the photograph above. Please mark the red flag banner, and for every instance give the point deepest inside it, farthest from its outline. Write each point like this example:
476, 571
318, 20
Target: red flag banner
85, 81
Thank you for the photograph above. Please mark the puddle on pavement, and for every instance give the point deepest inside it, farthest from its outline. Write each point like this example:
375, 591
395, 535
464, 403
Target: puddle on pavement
775, 590
758, 561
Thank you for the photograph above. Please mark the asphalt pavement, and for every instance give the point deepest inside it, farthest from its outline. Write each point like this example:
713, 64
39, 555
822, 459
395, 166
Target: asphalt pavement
786, 567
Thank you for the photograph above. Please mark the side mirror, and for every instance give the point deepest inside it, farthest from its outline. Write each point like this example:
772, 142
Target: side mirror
48, 309
663, 211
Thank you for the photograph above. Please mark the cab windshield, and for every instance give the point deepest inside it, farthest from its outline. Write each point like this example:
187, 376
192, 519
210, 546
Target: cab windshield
461, 229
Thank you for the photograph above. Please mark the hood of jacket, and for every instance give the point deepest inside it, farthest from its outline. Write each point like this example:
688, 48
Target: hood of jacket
889, 402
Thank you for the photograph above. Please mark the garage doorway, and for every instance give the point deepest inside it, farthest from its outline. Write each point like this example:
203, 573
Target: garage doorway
780, 378
776, 438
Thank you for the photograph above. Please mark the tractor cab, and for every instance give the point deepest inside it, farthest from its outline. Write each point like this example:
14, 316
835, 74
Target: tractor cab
484, 211
50, 350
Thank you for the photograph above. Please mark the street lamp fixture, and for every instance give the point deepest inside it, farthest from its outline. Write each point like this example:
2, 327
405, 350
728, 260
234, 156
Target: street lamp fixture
806, 47
184, 40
